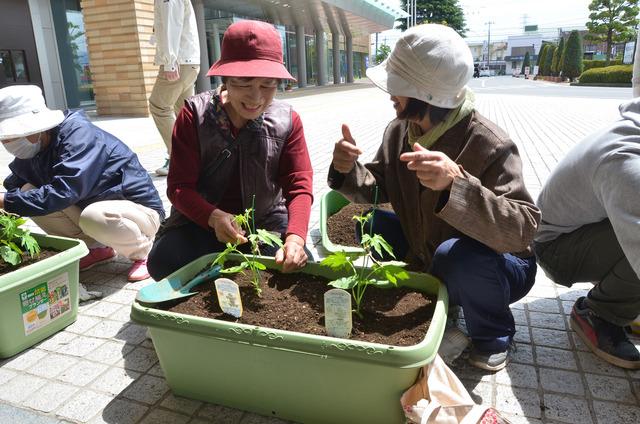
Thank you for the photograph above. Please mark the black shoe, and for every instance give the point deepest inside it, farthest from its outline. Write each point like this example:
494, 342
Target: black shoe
606, 340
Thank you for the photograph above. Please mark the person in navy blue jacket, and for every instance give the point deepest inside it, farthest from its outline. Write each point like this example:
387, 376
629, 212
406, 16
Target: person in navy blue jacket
76, 180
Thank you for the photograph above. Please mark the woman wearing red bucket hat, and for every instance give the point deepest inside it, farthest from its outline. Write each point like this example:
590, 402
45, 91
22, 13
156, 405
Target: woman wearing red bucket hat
234, 148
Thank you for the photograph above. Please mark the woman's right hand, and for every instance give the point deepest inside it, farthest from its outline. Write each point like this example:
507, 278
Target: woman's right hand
345, 152
226, 229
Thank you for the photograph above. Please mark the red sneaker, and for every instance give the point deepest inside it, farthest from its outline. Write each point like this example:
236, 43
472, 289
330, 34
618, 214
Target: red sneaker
97, 256
138, 271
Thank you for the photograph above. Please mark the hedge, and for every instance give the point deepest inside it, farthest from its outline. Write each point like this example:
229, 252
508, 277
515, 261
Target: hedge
609, 74
590, 64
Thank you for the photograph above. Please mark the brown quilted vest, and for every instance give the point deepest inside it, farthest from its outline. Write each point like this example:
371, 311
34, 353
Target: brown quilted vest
256, 149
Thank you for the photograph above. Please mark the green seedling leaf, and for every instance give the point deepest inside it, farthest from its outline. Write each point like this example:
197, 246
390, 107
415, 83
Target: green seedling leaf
379, 283
336, 261
392, 271
14, 247
241, 220
378, 243
269, 238
258, 265
222, 256
253, 239
345, 283
235, 269
14, 240
10, 256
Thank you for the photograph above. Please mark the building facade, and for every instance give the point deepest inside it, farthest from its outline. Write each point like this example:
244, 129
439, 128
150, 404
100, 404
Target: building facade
489, 59
518, 47
98, 52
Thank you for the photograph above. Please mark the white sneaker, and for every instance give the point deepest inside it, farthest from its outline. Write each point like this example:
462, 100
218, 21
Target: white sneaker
164, 169
453, 343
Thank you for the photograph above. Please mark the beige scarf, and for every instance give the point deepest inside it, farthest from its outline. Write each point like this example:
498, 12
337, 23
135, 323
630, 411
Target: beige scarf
429, 138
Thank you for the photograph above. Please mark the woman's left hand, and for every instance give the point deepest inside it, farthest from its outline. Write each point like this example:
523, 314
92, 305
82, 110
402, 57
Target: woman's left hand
435, 170
292, 255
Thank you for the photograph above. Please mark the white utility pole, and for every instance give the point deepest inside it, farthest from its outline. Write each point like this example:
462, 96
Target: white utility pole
412, 8
489, 44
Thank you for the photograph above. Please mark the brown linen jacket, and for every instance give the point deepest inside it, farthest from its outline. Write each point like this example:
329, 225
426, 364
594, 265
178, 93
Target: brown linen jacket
489, 204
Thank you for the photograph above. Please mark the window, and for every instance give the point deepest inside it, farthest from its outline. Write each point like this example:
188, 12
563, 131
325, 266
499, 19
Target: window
13, 66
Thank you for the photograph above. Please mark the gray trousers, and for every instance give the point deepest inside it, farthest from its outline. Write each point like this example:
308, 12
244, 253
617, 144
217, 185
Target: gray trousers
593, 253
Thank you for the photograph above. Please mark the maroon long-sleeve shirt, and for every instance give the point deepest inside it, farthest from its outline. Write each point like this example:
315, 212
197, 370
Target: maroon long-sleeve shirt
295, 176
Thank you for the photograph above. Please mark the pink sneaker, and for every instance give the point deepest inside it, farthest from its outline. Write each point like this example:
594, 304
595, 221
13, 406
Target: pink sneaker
97, 256
138, 271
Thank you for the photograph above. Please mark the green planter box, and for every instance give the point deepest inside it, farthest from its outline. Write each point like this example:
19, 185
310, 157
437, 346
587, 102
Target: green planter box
290, 375
331, 203
40, 299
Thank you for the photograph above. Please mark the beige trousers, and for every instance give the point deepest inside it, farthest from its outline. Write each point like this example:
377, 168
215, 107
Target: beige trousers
127, 227
167, 98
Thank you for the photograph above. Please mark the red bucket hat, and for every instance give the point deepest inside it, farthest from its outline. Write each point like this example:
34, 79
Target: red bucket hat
251, 49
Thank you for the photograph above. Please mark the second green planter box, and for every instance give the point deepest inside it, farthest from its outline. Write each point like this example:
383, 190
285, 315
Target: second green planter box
290, 375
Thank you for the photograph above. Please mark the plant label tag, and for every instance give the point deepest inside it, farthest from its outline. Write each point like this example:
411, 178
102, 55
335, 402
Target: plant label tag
337, 313
229, 297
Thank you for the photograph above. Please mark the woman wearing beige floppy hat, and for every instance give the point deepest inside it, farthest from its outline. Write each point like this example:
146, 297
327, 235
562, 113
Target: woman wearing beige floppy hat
455, 182
75, 180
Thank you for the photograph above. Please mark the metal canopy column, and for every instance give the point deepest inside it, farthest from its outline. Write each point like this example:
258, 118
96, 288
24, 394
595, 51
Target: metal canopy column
321, 50
302, 56
202, 83
335, 42
215, 46
348, 41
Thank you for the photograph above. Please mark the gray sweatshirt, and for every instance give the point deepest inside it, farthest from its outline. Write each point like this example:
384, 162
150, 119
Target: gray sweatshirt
598, 179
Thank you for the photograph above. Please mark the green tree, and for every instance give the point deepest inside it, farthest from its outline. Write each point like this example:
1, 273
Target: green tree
572, 64
612, 21
562, 55
555, 62
541, 58
526, 63
382, 53
446, 12
548, 59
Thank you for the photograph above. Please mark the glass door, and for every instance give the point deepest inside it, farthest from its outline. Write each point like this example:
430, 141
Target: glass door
74, 55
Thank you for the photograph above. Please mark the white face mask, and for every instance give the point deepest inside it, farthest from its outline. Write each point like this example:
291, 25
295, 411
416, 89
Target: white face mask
23, 148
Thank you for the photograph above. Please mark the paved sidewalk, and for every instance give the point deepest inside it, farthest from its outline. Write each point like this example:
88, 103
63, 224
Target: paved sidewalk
102, 369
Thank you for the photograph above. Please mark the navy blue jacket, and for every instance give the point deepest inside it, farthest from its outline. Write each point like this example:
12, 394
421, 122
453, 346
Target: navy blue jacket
81, 165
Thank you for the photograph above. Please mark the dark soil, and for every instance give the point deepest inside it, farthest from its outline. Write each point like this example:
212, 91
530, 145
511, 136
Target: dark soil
295, 302
341, 227
6, 268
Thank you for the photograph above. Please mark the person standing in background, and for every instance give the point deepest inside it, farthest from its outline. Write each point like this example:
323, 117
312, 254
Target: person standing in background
178, 55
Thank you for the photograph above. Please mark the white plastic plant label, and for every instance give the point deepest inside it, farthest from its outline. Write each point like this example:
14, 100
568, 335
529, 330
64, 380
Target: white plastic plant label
337, 313
45, 302
229, 297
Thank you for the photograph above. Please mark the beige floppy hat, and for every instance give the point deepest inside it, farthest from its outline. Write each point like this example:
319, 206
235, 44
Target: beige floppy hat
431, 63
23, 112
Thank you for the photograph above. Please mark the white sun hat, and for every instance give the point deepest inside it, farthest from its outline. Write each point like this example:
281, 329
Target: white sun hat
431, 63
23, 112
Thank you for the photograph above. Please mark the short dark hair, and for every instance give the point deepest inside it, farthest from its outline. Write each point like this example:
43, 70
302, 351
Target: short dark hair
417, 109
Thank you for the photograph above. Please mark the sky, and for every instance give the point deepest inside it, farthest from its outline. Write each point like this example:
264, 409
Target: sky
508, 17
